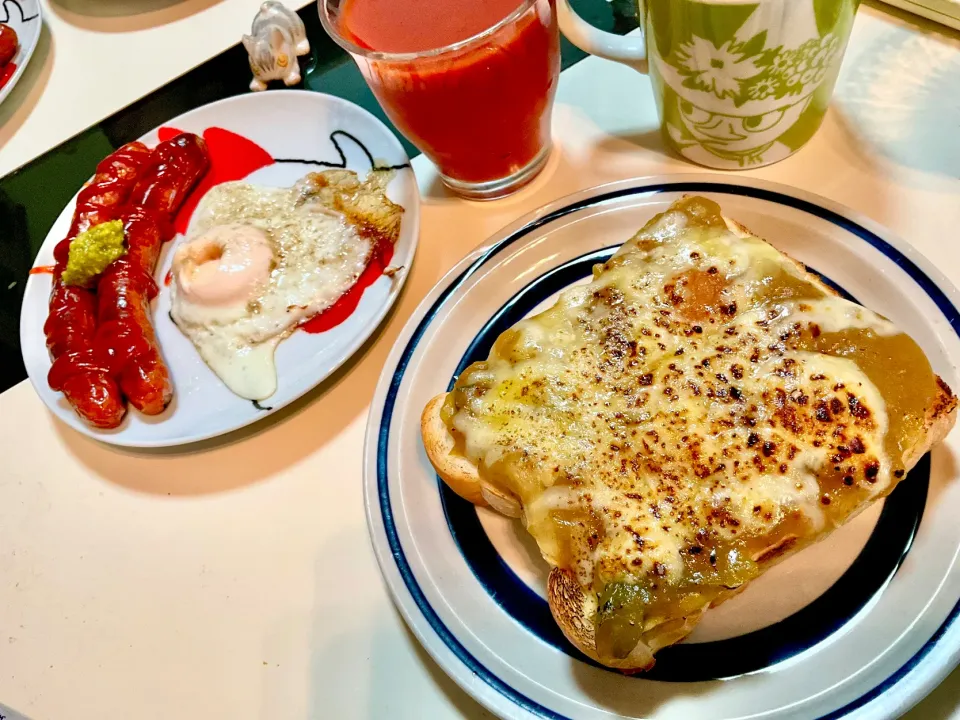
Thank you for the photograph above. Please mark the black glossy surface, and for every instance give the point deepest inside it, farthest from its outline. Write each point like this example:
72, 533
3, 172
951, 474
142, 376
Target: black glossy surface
32, 197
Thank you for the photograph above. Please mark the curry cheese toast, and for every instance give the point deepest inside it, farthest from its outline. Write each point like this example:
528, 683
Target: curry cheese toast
702, 409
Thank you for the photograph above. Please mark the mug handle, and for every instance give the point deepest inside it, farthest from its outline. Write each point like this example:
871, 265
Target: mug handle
629, 50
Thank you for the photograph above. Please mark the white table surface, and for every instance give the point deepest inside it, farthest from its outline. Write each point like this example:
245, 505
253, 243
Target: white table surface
238, 582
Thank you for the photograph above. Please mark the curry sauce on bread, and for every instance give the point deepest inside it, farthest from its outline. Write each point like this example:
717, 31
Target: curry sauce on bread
699, 411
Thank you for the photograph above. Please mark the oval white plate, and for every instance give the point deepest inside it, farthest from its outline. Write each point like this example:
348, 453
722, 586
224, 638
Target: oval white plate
26, 18
292, 126
843, 629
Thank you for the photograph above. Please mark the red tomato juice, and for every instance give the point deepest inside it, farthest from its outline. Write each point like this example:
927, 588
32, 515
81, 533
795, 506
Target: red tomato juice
480, 112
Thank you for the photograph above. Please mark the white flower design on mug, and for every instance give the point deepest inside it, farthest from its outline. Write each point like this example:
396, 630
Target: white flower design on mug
720, 70
748, 70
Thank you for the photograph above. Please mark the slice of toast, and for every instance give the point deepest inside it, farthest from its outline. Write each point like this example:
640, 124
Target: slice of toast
854, 464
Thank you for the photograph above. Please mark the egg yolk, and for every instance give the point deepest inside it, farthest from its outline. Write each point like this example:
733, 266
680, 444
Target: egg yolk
226, 265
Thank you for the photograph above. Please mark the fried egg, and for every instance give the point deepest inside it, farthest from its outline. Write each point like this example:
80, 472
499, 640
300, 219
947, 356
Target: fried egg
259, 261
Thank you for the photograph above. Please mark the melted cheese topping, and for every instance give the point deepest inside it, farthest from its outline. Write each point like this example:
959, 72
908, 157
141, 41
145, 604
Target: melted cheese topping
696, 411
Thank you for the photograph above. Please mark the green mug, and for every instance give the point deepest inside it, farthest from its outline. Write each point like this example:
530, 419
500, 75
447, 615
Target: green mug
737, 84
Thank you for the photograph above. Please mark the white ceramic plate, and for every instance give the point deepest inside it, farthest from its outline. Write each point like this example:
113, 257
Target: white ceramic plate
855, 627
292, 126
26, 18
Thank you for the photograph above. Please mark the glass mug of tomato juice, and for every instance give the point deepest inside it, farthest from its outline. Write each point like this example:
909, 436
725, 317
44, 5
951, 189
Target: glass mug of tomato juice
469, 82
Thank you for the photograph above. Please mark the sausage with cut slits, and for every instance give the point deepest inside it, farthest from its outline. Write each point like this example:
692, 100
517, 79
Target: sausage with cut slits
125, 339
72, 320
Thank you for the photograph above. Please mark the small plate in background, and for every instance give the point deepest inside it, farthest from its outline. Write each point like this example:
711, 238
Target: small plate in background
26, 18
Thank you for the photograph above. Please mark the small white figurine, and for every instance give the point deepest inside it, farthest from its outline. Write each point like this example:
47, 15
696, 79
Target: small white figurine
276, 39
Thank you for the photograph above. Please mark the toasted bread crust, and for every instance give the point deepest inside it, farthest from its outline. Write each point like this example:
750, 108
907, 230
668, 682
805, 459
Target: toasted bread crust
574, 607
456, 471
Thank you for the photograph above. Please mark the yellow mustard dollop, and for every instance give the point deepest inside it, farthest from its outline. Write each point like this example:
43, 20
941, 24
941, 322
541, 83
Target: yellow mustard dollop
92, 251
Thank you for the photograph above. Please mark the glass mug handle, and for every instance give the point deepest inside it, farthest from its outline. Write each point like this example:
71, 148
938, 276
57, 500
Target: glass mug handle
630, 50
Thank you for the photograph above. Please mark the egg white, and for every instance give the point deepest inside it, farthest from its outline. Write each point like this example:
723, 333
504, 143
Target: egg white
318, 256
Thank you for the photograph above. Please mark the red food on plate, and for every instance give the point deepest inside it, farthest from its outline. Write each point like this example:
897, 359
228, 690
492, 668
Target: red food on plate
6, 72
178, 164
8, 44
72, 321
125, 337
102, 340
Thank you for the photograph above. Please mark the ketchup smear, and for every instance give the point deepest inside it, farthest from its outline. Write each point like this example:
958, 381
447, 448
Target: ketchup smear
344, 307
168, 278
42, 270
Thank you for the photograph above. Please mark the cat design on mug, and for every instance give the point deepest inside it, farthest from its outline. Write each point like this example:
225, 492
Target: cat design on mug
277, 37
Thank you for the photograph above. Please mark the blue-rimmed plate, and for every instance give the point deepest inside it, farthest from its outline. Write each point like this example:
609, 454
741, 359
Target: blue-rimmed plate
860, 626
